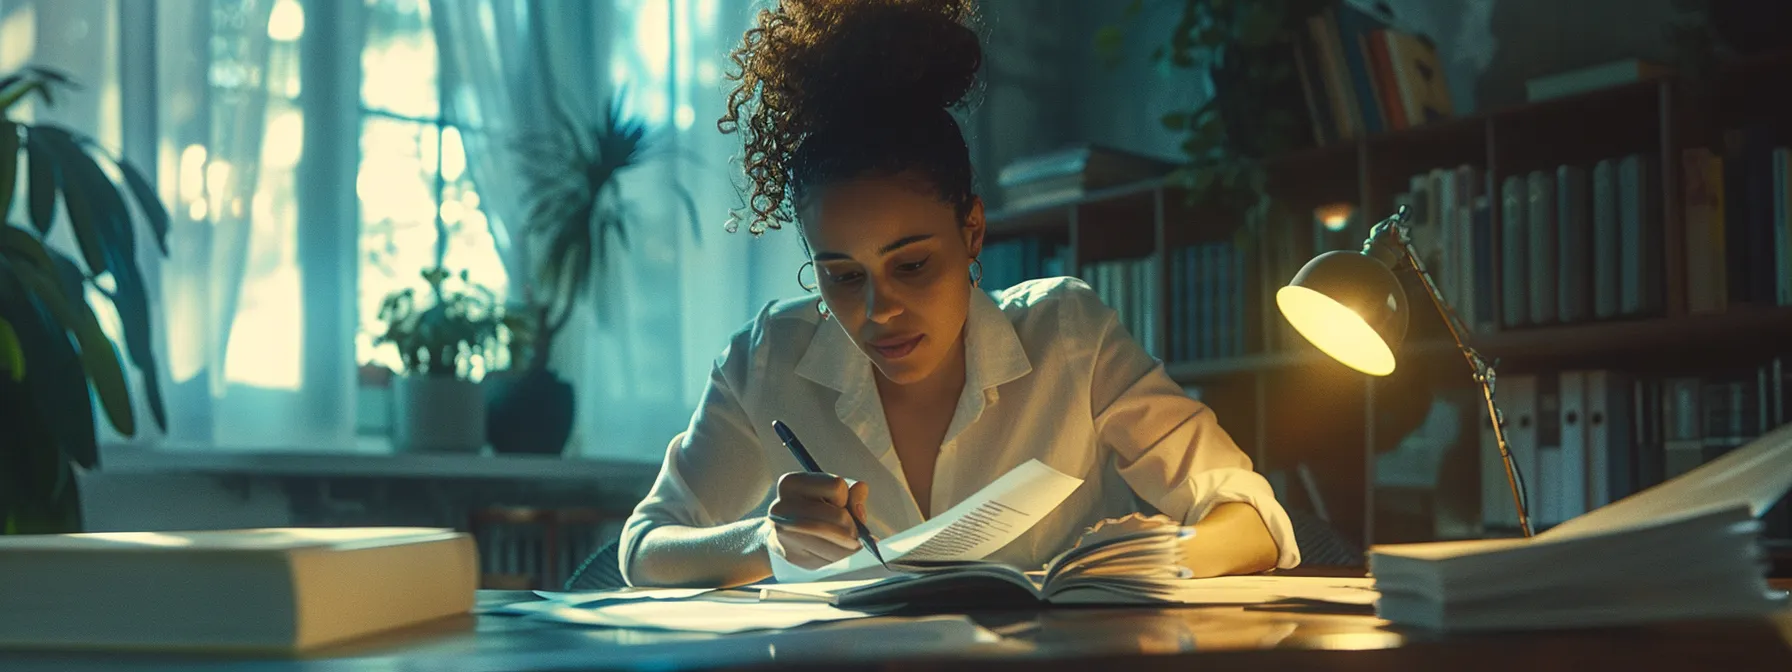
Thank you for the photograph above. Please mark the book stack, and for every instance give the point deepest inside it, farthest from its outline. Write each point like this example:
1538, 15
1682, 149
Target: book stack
1072, 172
1686, 549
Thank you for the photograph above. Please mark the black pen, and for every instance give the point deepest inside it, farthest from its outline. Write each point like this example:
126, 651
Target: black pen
808, 462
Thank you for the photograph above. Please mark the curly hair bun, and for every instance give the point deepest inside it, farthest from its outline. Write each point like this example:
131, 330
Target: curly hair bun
819, 66
892, 54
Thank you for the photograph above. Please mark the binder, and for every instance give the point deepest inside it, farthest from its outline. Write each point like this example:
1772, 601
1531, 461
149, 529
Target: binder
1517, 398
1571, 494
1610, 437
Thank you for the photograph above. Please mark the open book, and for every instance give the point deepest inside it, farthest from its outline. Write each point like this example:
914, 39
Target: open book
1687, 548
943, 559
942, 562
978, 526
1127, 561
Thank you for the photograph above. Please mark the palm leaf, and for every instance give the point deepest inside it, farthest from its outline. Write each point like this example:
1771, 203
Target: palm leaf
9, 165
12, 355
98, 358
45, 181
57, 382
147, 202
97, 208
85, 182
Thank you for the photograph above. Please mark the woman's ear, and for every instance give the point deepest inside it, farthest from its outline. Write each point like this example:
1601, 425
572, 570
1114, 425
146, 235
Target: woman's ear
973, 229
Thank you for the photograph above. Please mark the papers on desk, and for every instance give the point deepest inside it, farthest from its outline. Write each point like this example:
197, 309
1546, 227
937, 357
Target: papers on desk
979, 525
622, 595
689, 615
786, 605
1225, 590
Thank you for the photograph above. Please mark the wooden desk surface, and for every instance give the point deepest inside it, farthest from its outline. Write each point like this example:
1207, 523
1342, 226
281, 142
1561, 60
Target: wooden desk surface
1085, 640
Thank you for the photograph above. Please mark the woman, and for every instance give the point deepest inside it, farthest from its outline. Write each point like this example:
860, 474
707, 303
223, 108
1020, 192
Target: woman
905, 380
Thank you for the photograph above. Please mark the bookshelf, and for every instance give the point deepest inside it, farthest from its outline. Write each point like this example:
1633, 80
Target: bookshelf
1346, 420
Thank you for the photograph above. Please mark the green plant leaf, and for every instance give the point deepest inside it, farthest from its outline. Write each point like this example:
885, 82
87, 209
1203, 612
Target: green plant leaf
12, 355
98, 212
98, 357
1176, 121
86, 184
45, 182
9, 166
148, 202
57, 384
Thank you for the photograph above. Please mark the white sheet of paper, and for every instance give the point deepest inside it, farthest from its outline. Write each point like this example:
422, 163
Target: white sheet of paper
819, 591
976, 527
691, 615
622, 594
1755, 475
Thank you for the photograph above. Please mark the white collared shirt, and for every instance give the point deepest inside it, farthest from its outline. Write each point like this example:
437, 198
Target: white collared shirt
1050, 374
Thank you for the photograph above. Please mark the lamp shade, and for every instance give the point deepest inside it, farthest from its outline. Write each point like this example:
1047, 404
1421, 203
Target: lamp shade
1351, 307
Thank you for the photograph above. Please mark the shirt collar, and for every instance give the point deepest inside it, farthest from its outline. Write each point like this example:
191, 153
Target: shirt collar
993, 352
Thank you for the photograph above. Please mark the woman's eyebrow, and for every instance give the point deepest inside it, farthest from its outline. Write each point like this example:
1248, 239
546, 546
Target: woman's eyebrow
892, 247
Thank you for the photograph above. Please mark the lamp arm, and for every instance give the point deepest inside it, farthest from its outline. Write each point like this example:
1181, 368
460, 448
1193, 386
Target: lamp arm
1391, 241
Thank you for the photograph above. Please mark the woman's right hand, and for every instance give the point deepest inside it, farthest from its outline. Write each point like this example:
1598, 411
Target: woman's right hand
810, 527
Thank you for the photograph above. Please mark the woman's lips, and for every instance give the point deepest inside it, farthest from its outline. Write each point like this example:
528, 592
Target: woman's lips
896, 349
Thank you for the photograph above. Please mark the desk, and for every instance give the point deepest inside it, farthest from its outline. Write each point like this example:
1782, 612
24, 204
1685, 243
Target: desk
1083, 640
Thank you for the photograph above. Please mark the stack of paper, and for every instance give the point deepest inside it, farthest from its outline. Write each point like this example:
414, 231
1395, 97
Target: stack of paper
1688, 548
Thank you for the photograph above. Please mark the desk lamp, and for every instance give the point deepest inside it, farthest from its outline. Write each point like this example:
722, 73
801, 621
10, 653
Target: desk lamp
1350, 306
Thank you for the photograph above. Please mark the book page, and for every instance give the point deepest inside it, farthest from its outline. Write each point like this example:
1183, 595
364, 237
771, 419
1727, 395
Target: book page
971, 530
1754, 475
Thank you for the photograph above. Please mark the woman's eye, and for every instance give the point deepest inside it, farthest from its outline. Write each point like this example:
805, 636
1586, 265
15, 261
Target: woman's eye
912, 266
845, 277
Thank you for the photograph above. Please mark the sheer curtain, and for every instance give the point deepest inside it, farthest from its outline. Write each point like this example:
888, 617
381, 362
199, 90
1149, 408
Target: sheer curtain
493, 92
671, 55
676, 293
248, 366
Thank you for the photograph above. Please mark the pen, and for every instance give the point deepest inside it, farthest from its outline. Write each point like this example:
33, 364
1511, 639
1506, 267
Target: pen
803, 458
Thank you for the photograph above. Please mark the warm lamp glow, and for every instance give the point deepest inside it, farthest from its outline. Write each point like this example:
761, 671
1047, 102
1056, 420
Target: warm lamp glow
1335, 217
1335, 330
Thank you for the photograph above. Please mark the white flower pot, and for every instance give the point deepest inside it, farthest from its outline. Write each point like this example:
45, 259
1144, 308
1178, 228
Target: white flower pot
437, 415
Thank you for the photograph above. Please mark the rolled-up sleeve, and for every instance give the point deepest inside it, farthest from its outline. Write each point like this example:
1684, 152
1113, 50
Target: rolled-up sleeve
1171, 449
714, 472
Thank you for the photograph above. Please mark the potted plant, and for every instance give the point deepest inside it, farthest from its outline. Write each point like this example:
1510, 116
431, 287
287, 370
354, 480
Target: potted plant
1244, 49
437, 404
575, 206
55, 360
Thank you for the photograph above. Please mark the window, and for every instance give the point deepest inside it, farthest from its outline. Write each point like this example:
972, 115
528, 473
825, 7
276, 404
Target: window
231, 136
417, 198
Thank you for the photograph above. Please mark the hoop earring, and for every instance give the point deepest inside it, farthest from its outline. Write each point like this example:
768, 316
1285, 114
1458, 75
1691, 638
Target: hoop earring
976, 272
807, 287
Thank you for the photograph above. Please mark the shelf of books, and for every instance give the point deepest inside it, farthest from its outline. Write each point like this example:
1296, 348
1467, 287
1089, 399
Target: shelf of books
1631, 244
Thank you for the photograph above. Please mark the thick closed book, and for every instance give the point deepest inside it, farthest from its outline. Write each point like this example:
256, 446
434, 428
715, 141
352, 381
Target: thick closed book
263, 590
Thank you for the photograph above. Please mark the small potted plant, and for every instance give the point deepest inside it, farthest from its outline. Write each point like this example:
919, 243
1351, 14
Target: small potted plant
443, 350
575, 206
